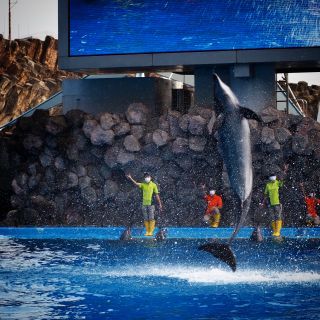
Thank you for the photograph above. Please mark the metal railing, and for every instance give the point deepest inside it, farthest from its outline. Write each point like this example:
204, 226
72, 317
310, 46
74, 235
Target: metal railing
51, 102
292, 104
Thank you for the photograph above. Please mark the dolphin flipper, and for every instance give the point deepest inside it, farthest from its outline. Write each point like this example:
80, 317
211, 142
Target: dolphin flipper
249, 114
222, 252
215, 123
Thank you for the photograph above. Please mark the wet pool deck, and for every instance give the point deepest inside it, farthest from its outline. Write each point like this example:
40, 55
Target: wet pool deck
113, 233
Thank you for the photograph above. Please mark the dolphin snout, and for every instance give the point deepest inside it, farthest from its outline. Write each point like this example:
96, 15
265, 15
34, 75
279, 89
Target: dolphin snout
215, 77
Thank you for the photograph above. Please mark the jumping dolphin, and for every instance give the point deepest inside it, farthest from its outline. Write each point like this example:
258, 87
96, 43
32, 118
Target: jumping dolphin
256, 235
234, 144
161, 234
126, 234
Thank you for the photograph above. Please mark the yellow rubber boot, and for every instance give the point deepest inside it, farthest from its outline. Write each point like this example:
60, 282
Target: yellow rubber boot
273, 227
147, 225
152, 224
216, 220
278, 228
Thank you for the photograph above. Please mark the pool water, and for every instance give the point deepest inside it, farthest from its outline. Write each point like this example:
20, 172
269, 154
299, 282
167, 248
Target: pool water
143, 279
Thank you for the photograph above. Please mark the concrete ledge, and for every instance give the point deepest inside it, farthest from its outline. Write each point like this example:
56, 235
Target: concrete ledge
113, 233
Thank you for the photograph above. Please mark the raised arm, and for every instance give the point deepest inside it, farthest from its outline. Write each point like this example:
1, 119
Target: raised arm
302, 188
135, 182
203, 189
285, 171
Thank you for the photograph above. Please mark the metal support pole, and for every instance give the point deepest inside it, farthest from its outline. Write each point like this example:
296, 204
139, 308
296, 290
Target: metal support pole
9, 36
11, 5
287, 92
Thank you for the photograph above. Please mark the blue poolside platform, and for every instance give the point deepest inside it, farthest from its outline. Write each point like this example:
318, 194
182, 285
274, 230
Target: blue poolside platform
113, 233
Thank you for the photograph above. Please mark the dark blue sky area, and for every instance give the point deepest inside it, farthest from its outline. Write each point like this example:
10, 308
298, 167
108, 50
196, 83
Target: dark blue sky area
99, 27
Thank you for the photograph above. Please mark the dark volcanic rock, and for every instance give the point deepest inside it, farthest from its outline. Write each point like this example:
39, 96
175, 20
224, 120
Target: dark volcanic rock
107, 122
160, 137
137, 113
180, 145
131, 144
197, 125
110, 189
197, 143
121, 129
100, 137
282, 135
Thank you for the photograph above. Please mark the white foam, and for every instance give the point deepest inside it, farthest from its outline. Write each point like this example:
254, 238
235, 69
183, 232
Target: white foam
217, 276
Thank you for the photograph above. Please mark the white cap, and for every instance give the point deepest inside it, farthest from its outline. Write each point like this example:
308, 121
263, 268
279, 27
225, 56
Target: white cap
212, 192
273, 178
311, 194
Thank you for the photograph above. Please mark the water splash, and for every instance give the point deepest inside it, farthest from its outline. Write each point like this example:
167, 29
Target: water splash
216, 276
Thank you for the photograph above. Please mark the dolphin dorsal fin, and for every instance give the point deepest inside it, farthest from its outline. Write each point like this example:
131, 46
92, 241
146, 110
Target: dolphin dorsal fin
249, 114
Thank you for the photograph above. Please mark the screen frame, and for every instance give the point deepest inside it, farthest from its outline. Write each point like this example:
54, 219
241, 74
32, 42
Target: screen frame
285, 59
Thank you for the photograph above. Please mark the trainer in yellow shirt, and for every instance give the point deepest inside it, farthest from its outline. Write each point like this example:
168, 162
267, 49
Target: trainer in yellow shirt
148, 188
271, 192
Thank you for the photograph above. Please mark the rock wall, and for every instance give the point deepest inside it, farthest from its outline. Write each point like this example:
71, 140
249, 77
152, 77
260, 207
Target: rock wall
28, 74
70, 169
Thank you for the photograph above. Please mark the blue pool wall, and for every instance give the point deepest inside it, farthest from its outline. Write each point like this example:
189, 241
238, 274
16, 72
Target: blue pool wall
113, 233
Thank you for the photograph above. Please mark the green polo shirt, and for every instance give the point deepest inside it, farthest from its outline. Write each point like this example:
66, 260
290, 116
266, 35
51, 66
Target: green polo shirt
272, 191
147, 192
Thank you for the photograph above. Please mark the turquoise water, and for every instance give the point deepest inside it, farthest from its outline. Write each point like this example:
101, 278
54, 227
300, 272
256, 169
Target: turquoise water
114, 233
143, 279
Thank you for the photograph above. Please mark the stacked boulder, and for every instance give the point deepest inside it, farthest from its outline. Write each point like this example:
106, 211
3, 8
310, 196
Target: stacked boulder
71, 169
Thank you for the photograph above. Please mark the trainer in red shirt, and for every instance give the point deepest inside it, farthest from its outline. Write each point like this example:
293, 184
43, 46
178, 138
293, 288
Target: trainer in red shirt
214, 203
311, 201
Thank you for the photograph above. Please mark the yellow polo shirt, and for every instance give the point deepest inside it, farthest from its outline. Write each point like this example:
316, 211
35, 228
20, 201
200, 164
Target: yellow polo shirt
147, 192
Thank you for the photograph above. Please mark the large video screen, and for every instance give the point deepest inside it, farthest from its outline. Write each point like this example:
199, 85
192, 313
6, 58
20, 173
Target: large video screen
108, 27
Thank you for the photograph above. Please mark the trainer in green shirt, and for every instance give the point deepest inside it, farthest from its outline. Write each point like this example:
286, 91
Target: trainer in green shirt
272, 191
148, 189
147, 192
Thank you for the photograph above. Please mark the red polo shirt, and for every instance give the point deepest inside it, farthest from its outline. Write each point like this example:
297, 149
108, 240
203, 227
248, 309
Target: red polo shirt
212, 202
311, 205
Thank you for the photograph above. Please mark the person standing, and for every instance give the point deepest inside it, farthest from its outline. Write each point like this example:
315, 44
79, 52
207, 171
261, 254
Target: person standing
271, 193
148, 188
214, 204
311, 201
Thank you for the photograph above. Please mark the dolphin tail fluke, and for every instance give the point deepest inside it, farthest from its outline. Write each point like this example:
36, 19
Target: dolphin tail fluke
221, 251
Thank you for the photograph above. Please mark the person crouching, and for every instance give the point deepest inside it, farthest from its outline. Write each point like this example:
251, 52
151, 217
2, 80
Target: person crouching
214, 204
311, 202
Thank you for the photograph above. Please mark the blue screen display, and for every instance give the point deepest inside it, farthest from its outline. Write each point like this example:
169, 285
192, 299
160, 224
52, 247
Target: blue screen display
105, 27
